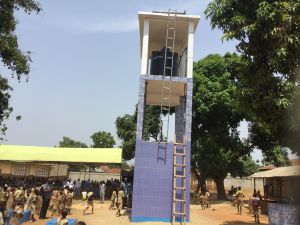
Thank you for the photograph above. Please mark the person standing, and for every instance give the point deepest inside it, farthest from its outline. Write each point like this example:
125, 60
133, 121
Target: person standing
77, 189
113, 198
90, 202
239, 200
255, 206
102, 191
124, 188
68, 200
46, 195
120, 203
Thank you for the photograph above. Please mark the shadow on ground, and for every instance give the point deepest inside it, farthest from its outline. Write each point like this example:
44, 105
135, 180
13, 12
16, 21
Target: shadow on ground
237, 222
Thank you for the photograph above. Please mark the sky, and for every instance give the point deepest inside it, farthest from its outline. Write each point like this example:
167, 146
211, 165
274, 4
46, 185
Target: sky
85, 66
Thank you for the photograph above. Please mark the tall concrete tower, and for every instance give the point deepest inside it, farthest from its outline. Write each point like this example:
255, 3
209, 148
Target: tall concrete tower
161, 189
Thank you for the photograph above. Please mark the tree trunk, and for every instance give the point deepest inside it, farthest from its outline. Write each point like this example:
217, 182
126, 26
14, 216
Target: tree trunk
220, 188
201, 181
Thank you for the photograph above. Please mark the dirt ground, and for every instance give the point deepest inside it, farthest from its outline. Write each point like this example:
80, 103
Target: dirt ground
220, 213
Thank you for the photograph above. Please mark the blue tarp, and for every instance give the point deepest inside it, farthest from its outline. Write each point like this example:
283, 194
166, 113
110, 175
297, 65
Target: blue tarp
53, 221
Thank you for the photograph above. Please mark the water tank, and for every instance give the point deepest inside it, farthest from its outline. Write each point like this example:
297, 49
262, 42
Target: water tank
158, 60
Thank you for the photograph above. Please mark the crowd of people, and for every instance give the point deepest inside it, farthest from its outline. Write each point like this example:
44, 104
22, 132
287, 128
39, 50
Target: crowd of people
40, 195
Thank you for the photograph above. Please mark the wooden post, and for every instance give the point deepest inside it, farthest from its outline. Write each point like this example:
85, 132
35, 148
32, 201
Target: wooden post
11, 169
57, 171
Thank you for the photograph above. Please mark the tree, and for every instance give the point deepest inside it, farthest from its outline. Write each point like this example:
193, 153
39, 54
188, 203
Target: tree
268, 35
216, 147
249, 167
70, 143
126, 129
268, 31
103, 139
12, 58
277, 157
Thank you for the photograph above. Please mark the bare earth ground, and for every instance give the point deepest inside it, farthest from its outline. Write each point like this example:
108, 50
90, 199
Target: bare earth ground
220, 213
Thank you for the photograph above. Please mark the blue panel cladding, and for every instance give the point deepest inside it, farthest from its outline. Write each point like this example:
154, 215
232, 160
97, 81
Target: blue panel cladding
188, 109
180, 120
141, 107
153, 182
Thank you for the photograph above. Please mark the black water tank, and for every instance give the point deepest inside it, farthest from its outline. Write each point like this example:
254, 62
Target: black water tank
158, 60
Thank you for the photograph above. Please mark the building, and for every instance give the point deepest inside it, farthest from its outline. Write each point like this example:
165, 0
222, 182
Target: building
25, 161
21, 169
281, 192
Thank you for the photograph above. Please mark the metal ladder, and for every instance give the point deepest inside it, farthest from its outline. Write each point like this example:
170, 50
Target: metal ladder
179, 162
166, 92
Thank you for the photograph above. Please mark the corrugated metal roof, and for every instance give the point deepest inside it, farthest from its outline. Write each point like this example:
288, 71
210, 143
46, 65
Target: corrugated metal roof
286, 171
53, 154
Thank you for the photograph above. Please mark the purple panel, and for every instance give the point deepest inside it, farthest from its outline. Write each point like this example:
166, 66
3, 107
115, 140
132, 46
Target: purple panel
153, 181
152, 188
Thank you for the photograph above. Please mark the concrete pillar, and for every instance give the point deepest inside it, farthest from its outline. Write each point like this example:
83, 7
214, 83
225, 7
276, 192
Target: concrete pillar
180, 120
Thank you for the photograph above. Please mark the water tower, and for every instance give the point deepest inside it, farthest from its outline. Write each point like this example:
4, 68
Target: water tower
162, 167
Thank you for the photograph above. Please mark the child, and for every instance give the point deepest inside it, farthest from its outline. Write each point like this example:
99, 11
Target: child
31, 204
2, 205
62, 220
239, 200
18, 213
61, 201
55, 202
10, 200
120, 201
113, 199
34, 197
39, 204
90, 202
256, 205
203, 201
68, 200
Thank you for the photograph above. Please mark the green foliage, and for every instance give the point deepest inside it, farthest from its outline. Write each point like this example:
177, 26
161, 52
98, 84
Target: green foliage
246, 167
5, 109
268, 31
103, 139
12, 58
278, 156
268, 35
126, 129
67, 142
152, 121
216, 146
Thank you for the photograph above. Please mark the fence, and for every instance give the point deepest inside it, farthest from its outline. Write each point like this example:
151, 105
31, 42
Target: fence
247, 184
96, 176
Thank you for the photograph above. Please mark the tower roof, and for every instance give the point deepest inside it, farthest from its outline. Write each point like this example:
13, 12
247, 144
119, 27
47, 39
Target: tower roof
158, 23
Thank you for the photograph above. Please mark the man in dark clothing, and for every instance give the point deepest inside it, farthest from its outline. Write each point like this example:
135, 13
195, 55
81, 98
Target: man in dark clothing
46, 195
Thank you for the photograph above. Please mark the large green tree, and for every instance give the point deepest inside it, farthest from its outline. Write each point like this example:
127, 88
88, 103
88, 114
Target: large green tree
103, 139
67, 142
216, 146
268, 35
267, 31
126, 128
12, 58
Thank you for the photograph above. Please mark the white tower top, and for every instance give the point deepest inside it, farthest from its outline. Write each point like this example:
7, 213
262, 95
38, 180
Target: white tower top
153, 31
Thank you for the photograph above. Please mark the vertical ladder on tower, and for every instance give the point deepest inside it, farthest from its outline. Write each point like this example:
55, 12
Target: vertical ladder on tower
166, 92
179, 181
